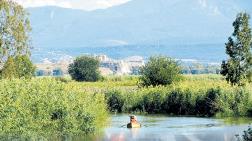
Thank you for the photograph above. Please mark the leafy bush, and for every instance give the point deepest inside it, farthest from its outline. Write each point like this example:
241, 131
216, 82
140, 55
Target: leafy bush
115, 101
160, 71
48, 107
18, 67
179, 103
85, 68
9, 69
152, 102
207, 105
24, 67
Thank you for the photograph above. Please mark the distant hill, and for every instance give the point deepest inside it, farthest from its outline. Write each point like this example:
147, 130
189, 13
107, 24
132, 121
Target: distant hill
138, 22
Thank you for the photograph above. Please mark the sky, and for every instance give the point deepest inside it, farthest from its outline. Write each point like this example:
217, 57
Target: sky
75, 4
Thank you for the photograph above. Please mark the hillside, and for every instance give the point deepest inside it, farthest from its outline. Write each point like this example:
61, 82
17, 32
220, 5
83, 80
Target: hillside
138, 22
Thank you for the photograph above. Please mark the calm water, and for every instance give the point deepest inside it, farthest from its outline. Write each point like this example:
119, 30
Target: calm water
163, 128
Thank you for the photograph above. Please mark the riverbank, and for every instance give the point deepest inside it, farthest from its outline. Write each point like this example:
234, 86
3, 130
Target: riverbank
196, 95
63, 106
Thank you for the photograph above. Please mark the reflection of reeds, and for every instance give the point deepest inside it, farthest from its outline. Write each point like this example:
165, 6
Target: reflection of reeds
247, 135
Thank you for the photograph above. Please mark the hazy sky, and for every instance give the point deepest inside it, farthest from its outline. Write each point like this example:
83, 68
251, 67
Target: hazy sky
76, 4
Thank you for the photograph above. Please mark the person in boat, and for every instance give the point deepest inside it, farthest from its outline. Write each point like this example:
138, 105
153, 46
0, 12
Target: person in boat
133, 122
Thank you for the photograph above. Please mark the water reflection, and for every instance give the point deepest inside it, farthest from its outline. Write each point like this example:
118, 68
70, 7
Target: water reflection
162, 128
123, 135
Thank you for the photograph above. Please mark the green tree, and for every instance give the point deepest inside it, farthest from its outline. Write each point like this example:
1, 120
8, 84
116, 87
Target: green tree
160, 70
18, 67
14, 30
85, 68
24, 67
9, 69
237, 69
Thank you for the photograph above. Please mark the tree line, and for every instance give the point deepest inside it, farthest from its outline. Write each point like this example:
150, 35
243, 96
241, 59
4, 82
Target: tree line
15, 46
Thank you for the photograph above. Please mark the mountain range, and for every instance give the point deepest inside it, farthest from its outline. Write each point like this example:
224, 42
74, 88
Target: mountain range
136, 23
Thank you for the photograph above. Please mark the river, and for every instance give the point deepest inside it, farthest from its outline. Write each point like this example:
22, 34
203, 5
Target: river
165, 128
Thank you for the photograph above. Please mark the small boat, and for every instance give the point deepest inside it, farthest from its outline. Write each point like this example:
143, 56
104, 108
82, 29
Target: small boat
133, 122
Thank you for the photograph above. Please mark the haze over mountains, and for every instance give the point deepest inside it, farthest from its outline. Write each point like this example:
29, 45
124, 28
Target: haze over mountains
137, 23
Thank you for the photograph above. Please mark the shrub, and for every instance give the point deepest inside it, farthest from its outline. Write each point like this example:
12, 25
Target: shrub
48, 107
179, 103
18, 67
24, 67
207, 105
9, 69
240, 103
84, 68
160, 71
115, 101
132, 102
235, 102
152, 102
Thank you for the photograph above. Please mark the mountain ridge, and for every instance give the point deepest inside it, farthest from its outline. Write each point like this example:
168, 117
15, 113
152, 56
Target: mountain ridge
138, 24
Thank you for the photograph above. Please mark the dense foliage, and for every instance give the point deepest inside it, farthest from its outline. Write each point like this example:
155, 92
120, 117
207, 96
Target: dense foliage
238, 68
18, 67
85, 68
198, 95
9, 69
160, 70
14, 30
45, 106
24, 67
115, 100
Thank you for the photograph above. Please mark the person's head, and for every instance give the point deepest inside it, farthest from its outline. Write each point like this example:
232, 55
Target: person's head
133, 118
